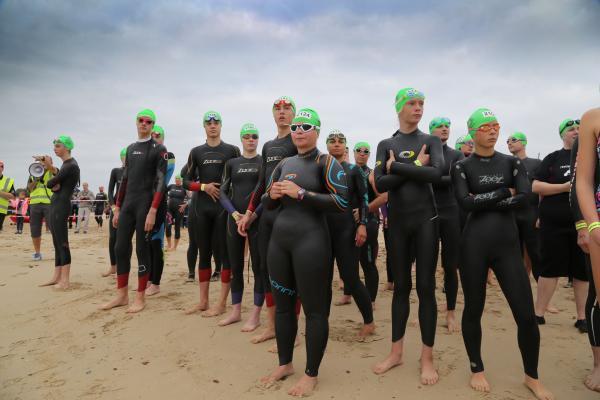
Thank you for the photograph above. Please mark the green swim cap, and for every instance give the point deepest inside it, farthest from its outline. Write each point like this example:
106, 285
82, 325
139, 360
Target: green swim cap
437, 122
177, 176
285, 100
308, 116
212, 115
462, 140
481, 116
159, 130
248, 129
123, 152
567, 123
65, 141
520, 136
360, 145
405, 95
148, 113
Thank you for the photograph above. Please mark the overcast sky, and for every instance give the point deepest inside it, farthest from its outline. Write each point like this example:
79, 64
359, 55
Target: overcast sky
86, 68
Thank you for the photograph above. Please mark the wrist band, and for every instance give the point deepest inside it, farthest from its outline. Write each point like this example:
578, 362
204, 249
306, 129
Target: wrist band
593, 226
202, 187
580, 225
418, 163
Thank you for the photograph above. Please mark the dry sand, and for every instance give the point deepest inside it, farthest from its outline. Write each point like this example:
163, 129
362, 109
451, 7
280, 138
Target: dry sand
57, 345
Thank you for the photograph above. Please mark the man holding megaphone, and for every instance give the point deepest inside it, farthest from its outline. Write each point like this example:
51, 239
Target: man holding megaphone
39, 202
7, 193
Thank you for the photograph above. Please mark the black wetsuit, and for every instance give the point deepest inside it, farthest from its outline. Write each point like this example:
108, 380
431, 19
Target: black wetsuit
561, 256
592, 308
99, 207
527, 218
490, 239
207, 217
60, 209
273, 152
342, 230
299, 257
113, 188
449, 221
176, 198
142, 187
239, 179
369, 251
412, 222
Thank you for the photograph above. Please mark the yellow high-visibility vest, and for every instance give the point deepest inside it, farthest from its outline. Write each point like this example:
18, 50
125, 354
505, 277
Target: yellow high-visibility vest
5, 185
41, 194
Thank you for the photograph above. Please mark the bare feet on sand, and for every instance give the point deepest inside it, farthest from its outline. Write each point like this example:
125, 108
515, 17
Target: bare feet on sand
538, 390
391, 361
281, 372
197, 308
152, 290
344, 300
111, 271
118, 301
232, 318
479, 383
552, 310
304, 387
49, 283
253, 321
138, 304
592, 381
61, 285
366, 330
429, 375
267, 334
214, 311
451, 322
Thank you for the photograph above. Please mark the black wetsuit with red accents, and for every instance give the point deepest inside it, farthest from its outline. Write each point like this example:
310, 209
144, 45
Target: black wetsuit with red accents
142, 187
113, 188
273, 152
206, 216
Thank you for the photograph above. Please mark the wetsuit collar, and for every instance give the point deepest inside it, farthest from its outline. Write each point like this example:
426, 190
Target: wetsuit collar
309, 153
144, 140
403, 133
484, 157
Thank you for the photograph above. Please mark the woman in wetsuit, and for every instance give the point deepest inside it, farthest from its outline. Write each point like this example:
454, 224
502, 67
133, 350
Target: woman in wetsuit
306, 186
64, 181
113, 188
489, 186
177, 195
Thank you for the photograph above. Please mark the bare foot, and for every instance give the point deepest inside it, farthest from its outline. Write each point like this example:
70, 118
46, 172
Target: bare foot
391, 361
214, 311
366, 330
138, 304
451, 322
197, 308
273, 349
479, 383
49, 283
429, 375
62, 286
304, 386
552, 310
152, 290
592, 381
251, 325
538, 390
116, 302
267, 334
110, 272
231, 319
389, 286
414, 323
278, 374
343, 301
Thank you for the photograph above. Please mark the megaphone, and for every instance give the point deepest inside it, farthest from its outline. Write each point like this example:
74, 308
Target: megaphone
36, 170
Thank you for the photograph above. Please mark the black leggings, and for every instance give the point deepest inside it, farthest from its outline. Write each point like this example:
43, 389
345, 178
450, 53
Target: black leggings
265, 227
235, 248
299, 266
420, 228
342, 230
491, 239
204, 224
99, 218
388, 258
59, 213
529, 239
112, 240
450, 238
177, 220
157, 245
592, 309
368, 259
132, 218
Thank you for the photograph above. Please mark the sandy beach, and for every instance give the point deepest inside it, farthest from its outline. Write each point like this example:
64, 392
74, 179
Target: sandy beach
58, 345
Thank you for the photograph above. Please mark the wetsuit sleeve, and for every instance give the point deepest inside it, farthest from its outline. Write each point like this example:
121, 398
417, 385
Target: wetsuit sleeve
225, 186
64, 172
259, 189
189, 174
112, 182
334, 178
269, 203
575, 210
362, 192
384, 182
123, 184
160, 186
446, 180
427, 173
474, 202
522, 188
